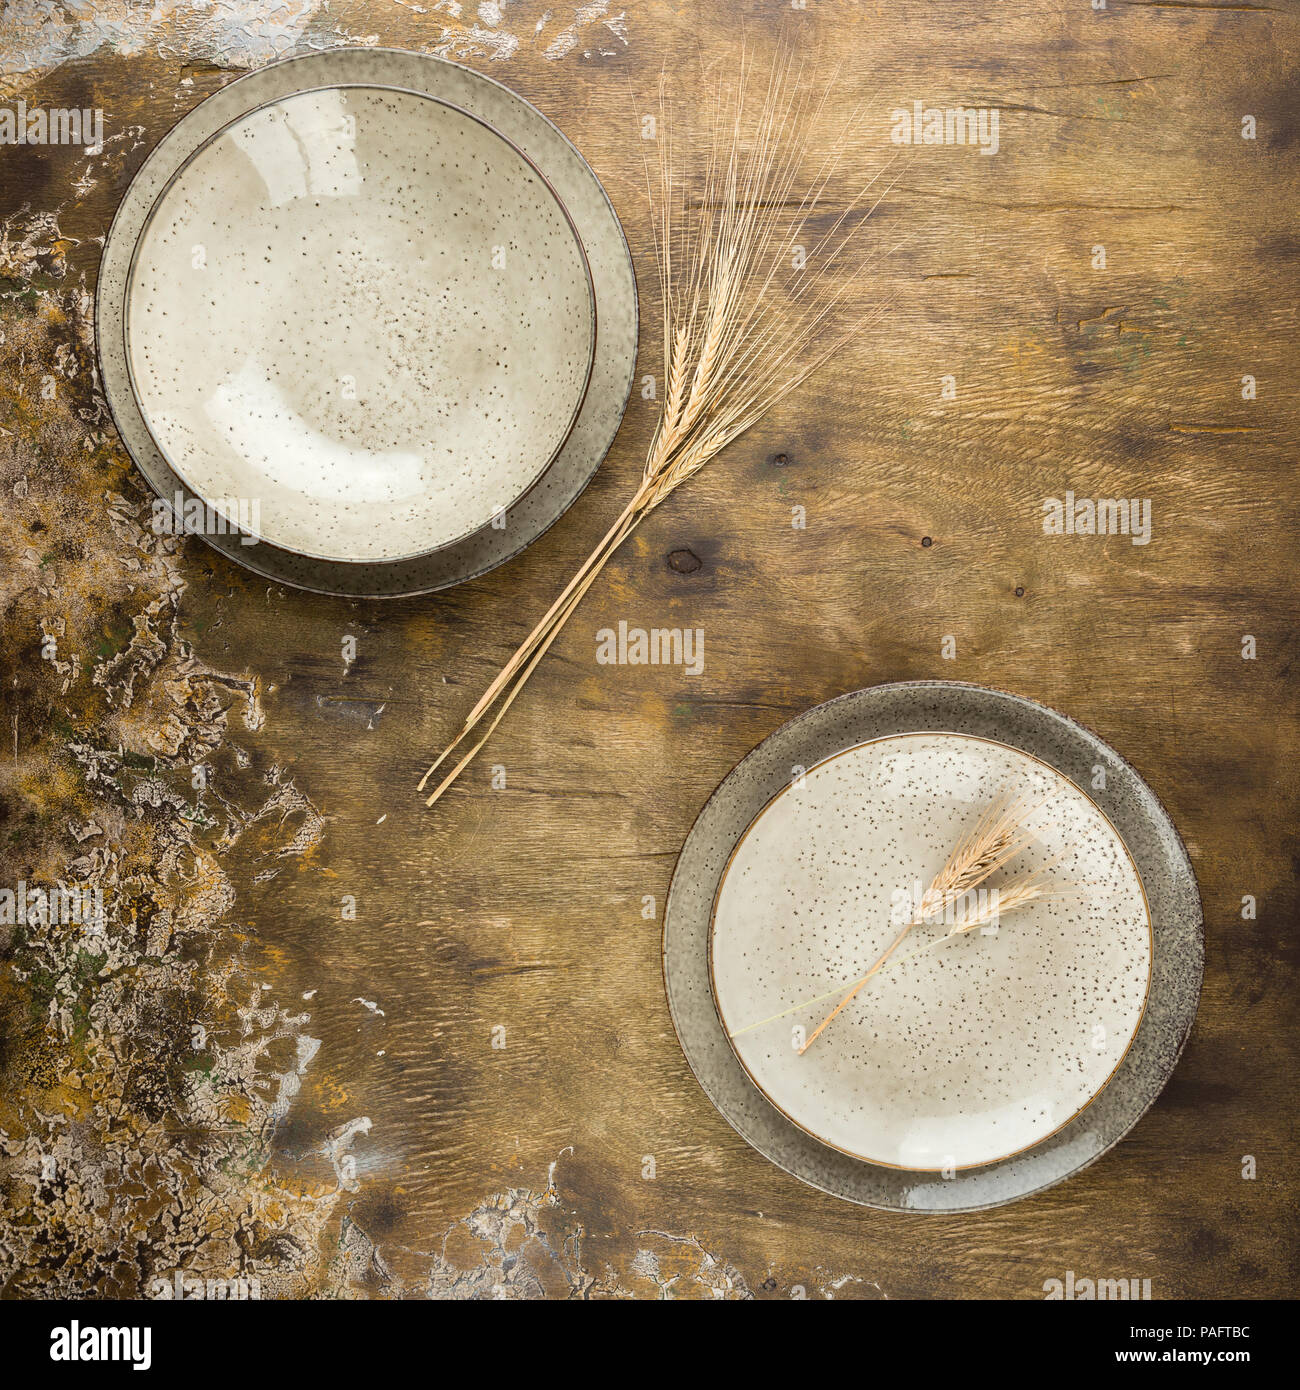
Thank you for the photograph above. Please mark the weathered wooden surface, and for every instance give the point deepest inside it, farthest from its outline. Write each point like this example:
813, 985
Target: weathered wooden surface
131, 1145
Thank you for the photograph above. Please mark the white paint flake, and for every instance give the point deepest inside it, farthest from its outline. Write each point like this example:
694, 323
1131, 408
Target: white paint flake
38, 35
585, 15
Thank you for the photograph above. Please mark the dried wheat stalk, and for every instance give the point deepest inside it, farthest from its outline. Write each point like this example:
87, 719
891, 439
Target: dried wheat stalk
745, 322
995, 839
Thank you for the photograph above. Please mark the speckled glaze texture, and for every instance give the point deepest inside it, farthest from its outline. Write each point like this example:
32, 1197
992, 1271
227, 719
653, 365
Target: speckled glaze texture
1074, 752
389, 569
952, 1056
365, 310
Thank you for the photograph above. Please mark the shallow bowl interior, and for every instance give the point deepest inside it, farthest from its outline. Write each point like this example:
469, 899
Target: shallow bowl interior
359, 323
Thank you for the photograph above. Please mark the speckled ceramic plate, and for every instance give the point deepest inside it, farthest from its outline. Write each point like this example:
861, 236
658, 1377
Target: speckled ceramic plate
376, 313
968, 1046
988, 1067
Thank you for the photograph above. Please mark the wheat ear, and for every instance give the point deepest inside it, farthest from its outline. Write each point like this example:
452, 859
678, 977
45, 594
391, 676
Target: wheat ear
739, 334
995, 839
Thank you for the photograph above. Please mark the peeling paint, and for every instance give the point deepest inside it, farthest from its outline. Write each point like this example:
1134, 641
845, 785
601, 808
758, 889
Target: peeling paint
500, 27
37, 35
680, 1264
147, 1066
569, 38
477, 42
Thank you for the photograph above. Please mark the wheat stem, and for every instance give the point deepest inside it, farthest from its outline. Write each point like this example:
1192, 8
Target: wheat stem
994, 840
736, 336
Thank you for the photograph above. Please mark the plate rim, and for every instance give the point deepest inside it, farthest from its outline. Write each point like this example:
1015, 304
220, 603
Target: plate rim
267, 104
1177, 914
617, 314
1146, 985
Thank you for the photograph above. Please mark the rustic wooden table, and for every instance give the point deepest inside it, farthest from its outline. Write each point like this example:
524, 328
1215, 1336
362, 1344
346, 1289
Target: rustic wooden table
277, 1061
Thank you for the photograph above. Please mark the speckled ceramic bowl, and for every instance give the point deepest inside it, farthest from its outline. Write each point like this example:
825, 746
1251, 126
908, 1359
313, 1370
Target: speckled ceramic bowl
366, 311
374, 314
989, 1067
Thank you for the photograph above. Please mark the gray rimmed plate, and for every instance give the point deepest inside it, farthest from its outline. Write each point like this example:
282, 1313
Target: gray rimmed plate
990, 1068
454, 380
